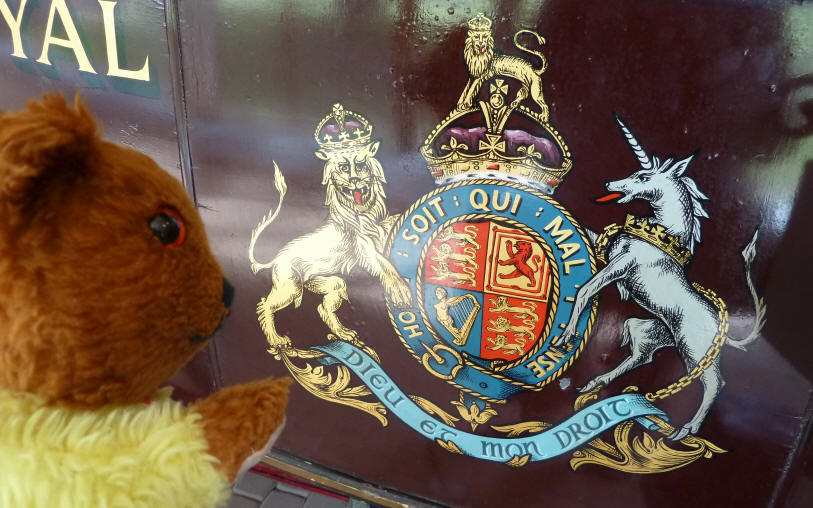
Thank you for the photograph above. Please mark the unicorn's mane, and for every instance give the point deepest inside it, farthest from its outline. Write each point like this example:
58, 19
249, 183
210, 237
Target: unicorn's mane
695, 196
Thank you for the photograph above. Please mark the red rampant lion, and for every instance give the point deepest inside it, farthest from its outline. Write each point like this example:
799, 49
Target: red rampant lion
519, 260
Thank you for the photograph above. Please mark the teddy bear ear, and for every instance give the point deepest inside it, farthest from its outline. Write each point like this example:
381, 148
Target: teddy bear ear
47, 139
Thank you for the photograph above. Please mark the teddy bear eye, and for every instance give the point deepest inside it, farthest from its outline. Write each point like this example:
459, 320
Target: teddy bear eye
168, 226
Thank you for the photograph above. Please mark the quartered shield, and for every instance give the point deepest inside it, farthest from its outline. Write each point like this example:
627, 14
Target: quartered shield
487, 288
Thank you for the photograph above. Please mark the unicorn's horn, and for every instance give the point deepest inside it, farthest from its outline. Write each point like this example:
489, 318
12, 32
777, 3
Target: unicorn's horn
637, 149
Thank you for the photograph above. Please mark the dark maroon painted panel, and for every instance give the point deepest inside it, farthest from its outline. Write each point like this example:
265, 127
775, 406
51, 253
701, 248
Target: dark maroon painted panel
728, 78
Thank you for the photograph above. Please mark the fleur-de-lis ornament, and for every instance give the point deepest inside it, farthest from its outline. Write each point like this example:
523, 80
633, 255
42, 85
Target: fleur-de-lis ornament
473, 414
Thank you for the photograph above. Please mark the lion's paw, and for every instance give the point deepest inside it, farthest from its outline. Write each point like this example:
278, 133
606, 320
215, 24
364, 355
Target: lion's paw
544, 113
398, 291
279, 341
280, 345
347, 334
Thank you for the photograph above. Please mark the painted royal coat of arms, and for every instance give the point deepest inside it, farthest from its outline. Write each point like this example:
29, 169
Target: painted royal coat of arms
491, 283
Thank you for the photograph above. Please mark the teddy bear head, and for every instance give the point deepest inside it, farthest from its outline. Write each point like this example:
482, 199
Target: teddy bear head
108, 283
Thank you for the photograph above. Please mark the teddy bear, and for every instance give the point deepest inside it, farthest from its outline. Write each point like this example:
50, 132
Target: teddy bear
107, 288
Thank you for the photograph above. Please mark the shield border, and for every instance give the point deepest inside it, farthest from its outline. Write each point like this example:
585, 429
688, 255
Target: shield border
396, 228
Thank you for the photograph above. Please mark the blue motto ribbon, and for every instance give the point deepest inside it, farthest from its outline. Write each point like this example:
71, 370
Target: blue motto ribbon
574, 432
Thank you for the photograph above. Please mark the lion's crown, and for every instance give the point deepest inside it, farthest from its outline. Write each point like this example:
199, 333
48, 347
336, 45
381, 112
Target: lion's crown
343, 129
480, 23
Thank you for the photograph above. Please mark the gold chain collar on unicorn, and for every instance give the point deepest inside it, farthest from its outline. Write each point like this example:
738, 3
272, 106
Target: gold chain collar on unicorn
654, 234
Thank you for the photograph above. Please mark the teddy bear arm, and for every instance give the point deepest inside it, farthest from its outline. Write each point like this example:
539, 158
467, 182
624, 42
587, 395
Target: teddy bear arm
238, 421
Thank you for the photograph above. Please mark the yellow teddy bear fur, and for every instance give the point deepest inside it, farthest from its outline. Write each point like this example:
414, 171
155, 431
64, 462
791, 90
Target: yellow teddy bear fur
138, 455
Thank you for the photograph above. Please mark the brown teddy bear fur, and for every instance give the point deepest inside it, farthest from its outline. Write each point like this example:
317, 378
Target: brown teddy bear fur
229, 437
94, 310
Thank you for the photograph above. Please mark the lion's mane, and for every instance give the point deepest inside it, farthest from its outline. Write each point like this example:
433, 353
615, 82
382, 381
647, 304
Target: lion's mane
368, 223
477, 63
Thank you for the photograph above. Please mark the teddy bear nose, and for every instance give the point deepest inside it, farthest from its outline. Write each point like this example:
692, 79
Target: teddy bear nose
228, 292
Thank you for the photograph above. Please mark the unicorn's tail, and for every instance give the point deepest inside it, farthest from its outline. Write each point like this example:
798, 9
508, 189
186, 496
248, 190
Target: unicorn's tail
749, 253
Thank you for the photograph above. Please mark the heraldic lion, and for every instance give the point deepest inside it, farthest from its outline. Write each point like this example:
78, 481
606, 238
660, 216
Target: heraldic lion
352, 236
520, 260
483, 63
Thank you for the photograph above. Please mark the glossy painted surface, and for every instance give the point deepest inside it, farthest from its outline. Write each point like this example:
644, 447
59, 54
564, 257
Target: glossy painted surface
732, 78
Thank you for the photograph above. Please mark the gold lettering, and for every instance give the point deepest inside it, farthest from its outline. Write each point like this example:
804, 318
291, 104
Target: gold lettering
515, 206
572, 262
495, 200
536, 369
14, 26
554, 354
420, 225
410, 237
429, 215
568, 249
113, 69
546, 363
414, 330
558, 234
72, 42
435, 202
479, 200
406, 317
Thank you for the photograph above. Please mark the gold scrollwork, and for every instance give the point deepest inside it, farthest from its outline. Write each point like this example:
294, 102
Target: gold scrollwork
517, 461
639, 454
449, 446
433, 409
432, 355
323, 384
516, 429
473, 414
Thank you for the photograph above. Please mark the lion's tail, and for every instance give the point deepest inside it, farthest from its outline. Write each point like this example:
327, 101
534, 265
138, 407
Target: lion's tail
281, 186
533, 316
469, 270
749, 253
541, 41
471, 235
536, 260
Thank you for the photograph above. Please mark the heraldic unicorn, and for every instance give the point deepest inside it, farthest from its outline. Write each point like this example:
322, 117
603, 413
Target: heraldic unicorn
646, 259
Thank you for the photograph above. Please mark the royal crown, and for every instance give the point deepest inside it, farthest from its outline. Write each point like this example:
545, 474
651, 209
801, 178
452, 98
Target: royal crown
343, 129
495, 140
480, 23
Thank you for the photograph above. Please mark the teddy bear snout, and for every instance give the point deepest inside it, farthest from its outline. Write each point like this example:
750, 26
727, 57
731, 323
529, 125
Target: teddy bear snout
228, 292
